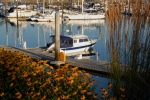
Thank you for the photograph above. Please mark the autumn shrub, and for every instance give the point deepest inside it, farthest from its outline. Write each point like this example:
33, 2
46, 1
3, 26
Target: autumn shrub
22, 77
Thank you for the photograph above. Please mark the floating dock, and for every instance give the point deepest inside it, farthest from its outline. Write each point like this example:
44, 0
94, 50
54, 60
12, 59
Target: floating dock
100, 67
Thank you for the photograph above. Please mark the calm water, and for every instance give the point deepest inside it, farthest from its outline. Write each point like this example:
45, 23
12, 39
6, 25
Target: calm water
36, 34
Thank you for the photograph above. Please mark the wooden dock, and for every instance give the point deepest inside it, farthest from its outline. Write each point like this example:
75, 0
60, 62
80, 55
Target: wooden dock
90, 65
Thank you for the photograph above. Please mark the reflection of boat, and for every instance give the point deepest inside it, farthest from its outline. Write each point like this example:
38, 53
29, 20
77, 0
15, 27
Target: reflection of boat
85, 22
46, 24
13, 22
72, 43
83, 54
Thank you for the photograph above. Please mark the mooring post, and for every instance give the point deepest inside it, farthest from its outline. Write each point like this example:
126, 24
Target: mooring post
57, 36
57, 63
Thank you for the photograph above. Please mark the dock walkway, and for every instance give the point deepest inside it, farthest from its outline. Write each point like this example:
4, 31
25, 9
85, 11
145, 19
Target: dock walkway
91, 65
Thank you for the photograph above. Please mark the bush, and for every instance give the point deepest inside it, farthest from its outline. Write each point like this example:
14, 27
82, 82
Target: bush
22, 77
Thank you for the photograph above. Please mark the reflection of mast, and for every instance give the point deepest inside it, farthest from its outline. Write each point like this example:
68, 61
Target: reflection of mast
6, 32
17, 32
105, 34
97, 58
44, 36
100, 31
70, 29
82, 29
38, 38
78, 29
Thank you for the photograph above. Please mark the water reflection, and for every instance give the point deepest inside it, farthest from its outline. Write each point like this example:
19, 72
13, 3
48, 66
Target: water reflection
36, 34
125, 42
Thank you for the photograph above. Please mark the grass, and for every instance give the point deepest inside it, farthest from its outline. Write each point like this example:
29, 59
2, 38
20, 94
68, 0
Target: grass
129, 46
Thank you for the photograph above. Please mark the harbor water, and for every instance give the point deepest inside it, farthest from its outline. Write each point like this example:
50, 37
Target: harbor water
123, 42
36, 34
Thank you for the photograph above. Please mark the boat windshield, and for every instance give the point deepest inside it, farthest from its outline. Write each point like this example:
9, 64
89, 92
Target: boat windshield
64, 41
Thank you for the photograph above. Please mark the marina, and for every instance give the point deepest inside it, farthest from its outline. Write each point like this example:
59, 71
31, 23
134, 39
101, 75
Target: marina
108, 39
79, 58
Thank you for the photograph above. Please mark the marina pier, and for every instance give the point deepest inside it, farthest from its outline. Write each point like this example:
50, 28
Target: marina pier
86, 64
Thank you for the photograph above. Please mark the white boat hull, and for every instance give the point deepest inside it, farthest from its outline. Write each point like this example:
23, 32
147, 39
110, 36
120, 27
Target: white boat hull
74, 49
21, 14
85, 17
43, 20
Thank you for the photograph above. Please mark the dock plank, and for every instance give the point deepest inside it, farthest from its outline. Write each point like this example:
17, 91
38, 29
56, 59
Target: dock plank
37, 53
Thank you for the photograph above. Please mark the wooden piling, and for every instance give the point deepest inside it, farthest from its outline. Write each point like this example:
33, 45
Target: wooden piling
57, 36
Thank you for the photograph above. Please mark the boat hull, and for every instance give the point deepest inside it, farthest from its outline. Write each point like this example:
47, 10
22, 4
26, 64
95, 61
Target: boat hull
85, 17
25, 14
72, 43
77, 49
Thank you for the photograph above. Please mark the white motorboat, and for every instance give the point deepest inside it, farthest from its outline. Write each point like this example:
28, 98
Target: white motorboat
72, 43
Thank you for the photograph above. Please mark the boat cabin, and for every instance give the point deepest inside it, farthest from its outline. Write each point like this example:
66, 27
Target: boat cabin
70, 40
91, 11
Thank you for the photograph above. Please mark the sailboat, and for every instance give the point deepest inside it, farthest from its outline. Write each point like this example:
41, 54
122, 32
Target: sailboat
22, 12
84, 16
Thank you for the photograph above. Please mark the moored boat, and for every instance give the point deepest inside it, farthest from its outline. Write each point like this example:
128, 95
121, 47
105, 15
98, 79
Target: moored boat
72, 43
22, 12
85, 16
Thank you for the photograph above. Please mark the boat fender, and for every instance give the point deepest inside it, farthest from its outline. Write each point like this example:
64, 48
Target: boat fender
62, 56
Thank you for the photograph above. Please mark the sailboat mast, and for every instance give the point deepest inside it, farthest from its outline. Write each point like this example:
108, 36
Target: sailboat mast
17, 9
43, 5
82, 6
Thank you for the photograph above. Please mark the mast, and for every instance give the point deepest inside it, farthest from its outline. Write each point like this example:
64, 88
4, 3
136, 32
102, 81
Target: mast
82, 6
62, 17
43, 6
17, 9
5, 6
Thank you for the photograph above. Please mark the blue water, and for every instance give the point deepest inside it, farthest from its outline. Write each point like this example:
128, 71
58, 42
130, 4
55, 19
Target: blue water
36, 34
